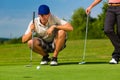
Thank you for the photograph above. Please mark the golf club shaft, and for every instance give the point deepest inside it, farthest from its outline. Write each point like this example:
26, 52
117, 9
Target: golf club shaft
86, 34
32, 40
31, 48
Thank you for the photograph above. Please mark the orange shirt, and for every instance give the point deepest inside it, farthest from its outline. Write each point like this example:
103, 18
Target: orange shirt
114, 1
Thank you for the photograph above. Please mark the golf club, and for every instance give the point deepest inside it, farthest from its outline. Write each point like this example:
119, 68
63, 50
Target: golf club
84, 51
30, 65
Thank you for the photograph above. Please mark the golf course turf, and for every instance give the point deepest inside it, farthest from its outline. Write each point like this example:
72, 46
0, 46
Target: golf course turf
15, 57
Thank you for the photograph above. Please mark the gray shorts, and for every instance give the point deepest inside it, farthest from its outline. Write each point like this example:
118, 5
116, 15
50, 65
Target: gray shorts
49, 47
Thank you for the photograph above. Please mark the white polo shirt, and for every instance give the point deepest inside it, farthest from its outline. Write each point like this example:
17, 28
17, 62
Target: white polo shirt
41, 29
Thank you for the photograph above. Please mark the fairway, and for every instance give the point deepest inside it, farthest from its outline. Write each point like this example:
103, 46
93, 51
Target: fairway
15, 57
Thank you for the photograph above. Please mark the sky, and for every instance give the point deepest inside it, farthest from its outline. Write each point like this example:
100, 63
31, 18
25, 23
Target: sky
15, 15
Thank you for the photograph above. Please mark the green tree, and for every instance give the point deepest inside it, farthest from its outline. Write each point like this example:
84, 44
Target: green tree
95, 27
78, 21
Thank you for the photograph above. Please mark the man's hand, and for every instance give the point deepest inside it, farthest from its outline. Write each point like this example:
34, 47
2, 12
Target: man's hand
50, 30
88, 10
32, 27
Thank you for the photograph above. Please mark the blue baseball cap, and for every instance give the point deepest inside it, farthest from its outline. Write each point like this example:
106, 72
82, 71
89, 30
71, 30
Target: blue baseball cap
43, 10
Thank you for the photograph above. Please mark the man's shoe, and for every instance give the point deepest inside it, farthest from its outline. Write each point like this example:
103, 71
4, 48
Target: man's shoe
113, 61
45, 60
54, 61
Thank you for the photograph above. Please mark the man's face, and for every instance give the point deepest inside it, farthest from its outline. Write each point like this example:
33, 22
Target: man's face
44, 18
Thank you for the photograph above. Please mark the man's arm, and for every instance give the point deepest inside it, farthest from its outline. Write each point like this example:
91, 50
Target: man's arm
88, 10
66, 27
28, 36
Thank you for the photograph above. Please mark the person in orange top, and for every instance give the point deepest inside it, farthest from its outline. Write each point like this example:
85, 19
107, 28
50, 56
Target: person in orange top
112, 18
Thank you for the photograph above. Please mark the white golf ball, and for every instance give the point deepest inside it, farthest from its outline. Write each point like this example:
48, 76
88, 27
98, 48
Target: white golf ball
38, 67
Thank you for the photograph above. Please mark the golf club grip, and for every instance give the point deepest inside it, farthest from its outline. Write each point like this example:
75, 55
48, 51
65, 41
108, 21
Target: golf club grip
33, 17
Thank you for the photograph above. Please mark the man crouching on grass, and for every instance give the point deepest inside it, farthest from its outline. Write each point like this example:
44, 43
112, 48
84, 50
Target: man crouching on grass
51, 35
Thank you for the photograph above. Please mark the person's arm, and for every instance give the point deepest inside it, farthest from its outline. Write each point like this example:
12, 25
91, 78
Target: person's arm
60, 24
26, 37
66, 27
88, 10
28, 34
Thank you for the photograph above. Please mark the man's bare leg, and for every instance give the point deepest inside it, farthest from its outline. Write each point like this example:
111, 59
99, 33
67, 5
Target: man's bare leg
39, 50
36, 47
59, 42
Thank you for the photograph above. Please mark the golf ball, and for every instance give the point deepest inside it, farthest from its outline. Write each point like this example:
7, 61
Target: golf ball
38, 67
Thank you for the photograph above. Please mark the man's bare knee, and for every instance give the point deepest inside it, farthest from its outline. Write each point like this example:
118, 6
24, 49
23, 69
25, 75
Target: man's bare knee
61, 33
30, 42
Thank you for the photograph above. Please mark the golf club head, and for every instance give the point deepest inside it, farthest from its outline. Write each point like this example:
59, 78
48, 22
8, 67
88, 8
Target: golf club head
83, 62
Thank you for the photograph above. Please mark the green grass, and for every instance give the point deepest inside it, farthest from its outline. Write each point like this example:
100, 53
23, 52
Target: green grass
14, 57
61, 72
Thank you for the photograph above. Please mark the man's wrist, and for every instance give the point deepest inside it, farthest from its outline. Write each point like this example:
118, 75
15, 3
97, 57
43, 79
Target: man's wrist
55, 26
